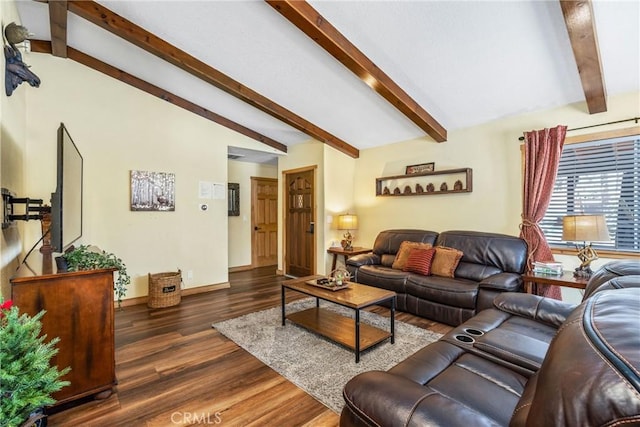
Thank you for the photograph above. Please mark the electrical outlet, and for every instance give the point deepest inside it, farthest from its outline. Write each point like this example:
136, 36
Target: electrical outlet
189, 274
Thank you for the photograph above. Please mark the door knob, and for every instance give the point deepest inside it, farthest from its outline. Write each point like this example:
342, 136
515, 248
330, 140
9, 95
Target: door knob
256, 228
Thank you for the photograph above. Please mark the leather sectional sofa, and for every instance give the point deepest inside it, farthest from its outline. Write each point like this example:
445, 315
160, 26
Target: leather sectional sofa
528, 361
490, 264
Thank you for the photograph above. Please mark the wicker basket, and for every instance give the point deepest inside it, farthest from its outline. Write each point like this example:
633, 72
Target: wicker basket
164, 289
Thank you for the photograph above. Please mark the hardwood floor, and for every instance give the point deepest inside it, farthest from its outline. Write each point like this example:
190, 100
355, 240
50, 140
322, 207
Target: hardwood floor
174, 369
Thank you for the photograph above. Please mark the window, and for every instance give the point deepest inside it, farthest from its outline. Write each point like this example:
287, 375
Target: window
599, 177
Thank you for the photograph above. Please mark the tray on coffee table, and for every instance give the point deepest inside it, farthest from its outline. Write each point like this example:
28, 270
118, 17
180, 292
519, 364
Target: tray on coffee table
314, 282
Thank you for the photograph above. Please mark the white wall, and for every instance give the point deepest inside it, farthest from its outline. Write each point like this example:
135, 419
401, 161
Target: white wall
240, 226
118, 129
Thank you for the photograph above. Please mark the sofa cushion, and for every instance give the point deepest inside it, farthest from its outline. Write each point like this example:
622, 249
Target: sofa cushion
444, 290
419, 261
403, 253
388, 242
383, 277
502, 252
445, 261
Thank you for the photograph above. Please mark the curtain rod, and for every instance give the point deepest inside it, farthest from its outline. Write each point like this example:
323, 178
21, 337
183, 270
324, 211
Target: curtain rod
601, 124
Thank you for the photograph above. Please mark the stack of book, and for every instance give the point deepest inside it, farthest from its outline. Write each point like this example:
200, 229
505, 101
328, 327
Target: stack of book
548, 267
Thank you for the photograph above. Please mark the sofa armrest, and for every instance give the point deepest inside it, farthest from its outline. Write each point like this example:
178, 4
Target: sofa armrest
378, 398
363, 259
503, 282
545, 310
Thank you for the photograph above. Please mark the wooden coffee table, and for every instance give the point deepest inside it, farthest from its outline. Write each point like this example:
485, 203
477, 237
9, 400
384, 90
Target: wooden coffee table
341, 329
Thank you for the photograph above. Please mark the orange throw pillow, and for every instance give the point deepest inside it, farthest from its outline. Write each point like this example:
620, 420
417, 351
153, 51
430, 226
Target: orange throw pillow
419, 261
445, 261
404, 250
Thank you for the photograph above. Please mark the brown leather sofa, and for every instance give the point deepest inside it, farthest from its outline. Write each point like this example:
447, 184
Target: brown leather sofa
491, 264
528, 361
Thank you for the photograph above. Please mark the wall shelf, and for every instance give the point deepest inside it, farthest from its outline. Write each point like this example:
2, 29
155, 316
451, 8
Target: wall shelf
448, 181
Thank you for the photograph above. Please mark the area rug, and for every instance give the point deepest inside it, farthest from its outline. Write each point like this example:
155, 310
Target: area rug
313, 363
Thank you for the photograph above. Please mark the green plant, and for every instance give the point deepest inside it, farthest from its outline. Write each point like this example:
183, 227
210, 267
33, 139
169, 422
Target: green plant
26, 379
85, 258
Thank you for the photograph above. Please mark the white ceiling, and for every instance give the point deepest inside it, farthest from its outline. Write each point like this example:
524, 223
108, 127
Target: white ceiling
465, 62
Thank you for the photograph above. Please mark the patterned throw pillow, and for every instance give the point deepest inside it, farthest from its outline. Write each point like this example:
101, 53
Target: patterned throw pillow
419, 261
403, 253
445, 261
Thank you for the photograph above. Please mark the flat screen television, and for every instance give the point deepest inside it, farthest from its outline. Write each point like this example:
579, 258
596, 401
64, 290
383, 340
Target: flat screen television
66, 202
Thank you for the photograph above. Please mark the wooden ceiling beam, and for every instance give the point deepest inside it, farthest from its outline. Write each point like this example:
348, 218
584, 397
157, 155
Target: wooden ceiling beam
41, 46
310, 22
127, 30
578, 17
58, 25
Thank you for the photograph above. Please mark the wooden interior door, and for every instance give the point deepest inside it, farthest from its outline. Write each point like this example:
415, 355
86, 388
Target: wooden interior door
300, 222
264, 221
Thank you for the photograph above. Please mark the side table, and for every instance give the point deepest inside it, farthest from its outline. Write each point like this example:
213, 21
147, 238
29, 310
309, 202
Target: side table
346, 254
566, 279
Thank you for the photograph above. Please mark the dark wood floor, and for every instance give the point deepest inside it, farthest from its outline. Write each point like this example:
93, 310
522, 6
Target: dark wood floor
174, 369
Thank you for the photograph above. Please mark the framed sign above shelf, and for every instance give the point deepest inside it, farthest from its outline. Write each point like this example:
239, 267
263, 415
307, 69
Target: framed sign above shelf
426, 183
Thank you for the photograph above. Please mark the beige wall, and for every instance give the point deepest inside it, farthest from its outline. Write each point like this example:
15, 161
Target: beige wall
13, 152
240, 226
118, 129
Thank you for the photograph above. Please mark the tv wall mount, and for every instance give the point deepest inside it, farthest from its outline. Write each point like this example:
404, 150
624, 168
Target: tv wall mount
33, 209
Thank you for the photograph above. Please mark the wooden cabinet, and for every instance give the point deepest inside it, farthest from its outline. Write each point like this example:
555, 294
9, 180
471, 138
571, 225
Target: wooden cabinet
80, 311
426, 183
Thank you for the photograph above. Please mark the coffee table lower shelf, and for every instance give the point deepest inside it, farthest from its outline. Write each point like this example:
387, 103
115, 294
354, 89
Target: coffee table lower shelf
338, 328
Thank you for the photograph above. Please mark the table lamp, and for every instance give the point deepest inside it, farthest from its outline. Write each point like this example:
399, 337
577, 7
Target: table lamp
585, 228
347, 222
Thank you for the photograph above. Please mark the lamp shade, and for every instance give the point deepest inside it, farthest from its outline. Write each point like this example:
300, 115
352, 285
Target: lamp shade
585, 228
347, 222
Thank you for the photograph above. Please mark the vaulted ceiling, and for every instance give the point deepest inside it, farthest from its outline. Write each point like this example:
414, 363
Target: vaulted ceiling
352, 74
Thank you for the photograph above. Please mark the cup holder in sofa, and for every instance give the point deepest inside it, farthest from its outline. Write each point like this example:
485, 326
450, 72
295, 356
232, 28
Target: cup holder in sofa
464, 338
474, 332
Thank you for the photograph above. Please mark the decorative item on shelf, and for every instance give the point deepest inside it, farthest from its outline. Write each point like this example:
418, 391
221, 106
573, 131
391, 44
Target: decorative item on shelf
386, 191
430, 188
347, 222
407, 189
28, 378
457, 185
444, 186
419, 189
585, 228
424, 167
396, 190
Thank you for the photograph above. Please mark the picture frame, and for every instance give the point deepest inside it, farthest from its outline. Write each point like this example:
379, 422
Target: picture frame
423, 167
153, 191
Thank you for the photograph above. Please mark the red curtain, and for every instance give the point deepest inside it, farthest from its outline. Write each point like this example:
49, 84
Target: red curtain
542, 151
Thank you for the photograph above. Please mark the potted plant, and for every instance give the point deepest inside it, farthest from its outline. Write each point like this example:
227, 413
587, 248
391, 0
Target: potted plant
27, 380
90, 258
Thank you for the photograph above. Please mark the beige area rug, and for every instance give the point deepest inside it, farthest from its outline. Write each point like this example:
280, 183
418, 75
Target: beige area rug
313, 363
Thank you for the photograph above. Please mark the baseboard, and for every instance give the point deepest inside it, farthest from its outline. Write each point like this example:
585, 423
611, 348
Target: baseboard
240, 268
204, 289
185, 292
